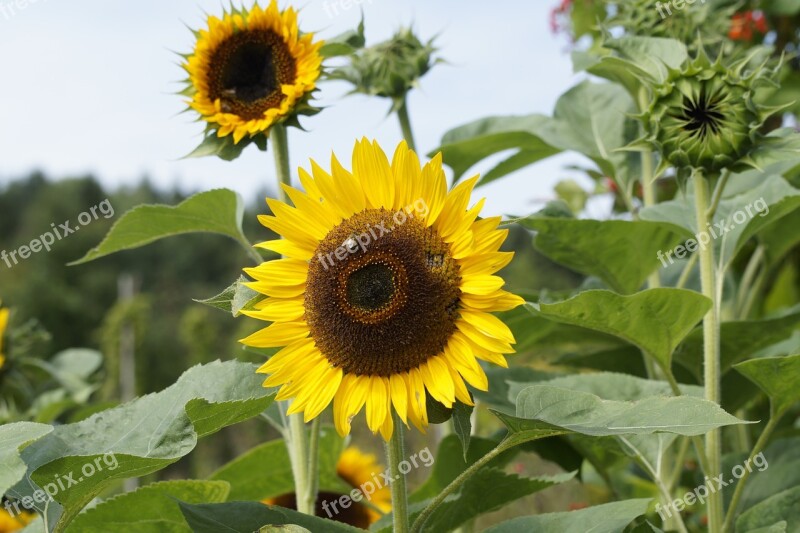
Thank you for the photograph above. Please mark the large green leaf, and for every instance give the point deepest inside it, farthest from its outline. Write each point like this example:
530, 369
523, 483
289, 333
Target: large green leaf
466, 145
622, 253
247, 517
150, 509
739, 339
139, 437
655, 320
234, 298
249, 481
12, 438
784, 506
589, 118
606, 518
218, 211
545, 407
738, 218
778, 377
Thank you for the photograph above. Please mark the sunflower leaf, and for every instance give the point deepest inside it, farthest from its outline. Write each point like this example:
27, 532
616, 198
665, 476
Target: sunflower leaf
252, 516
151, 509
605, 518
12, 438
235, 298
218, 211
620, 252
139, 437
778, 377
655, 320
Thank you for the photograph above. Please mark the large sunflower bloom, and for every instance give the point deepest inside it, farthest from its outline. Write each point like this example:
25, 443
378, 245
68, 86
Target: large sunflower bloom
357, 469
3, 324
250, 69
384, 293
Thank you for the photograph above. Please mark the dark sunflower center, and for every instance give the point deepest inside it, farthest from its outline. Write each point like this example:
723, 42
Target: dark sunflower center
356, 514
247, 71
382, 294
371, 287
702, 116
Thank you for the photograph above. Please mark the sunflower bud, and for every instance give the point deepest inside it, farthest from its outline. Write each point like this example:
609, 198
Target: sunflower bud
704, 116
391, 68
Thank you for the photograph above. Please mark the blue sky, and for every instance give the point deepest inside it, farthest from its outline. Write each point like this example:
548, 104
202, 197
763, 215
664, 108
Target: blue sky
88, 87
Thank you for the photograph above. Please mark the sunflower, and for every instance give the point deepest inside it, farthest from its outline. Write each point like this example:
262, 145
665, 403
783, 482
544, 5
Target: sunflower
384, 293
251, 69
10, 523
3, 324
357, 469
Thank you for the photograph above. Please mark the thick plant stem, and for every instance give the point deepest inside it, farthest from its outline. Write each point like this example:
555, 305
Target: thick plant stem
395, 454
296, 442
760, 444
313, 463
711, 347
405, 124
279, 139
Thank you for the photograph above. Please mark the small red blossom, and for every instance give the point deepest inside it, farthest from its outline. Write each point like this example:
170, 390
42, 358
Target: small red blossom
559, 13
745, 25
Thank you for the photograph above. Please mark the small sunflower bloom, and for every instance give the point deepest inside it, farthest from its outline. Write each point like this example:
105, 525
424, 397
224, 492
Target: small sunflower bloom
11, 523
385, 293
4, 312
356, 468
250, 70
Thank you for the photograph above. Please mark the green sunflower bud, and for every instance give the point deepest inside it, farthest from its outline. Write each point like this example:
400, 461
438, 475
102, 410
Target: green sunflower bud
704, 115
391, 68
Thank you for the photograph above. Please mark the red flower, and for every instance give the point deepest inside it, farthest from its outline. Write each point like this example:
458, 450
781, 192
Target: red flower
744, 24
557, 13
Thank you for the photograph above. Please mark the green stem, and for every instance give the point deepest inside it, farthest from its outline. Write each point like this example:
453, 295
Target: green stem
395, 454
687, 270
718, 190
675, 476
711, 347
405, 123
313, 460
419, 523
748, 276
297, 442
760, 444
298, 455
279, 139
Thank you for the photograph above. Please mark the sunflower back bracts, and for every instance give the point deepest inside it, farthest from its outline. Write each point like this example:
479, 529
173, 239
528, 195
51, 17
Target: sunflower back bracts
704, 115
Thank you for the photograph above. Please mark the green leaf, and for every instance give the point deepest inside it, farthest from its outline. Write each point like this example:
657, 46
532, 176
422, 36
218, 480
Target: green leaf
140, 437
777, 469
655, 320
345, 43
150, 509
291, 528
236, 298
738, 218
651, 54
223, 147
622, 253
466, 145
784, 506
12, 438
545, 407
245, 474
246, 517
606, 518
218, 211
473, 499
778, 377
739, 339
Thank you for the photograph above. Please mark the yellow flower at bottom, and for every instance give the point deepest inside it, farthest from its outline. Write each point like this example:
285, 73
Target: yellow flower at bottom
357, 469
3, 325
385, 291
11, 523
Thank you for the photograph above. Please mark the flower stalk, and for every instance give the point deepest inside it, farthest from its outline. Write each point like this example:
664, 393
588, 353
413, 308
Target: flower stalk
395, 454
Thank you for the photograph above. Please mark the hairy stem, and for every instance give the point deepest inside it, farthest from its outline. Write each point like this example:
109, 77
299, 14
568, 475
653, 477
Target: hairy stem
405, 123
395, 454
711, 347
